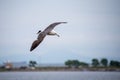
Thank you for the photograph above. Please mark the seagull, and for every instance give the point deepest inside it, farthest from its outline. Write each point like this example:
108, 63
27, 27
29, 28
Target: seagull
41, 34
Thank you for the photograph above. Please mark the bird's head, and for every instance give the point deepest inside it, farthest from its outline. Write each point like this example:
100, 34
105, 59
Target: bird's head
39, 32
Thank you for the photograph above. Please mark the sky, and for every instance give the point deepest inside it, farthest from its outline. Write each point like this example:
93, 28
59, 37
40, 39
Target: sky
92, 31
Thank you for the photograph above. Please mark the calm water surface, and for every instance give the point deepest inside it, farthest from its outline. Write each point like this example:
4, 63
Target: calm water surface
59, 75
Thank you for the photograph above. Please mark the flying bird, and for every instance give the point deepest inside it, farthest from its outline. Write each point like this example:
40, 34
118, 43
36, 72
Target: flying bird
42, 34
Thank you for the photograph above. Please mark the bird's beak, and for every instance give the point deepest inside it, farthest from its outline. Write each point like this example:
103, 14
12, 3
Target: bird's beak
37, 33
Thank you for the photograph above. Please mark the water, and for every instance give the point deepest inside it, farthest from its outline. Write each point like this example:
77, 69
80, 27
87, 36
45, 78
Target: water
59, 75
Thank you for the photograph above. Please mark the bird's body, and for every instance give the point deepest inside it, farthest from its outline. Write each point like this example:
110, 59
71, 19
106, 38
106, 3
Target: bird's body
47, 31
53, 33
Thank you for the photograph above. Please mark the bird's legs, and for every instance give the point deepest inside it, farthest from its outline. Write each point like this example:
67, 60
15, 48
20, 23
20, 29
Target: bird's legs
57, 35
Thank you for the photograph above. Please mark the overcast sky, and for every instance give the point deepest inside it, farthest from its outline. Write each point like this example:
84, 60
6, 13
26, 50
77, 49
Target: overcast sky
92, 31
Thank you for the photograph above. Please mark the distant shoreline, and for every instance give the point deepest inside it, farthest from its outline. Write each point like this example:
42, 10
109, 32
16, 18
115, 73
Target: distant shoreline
62, 69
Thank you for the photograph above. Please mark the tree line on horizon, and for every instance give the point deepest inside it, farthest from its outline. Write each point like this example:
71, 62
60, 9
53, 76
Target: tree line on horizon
94, 63
72, 64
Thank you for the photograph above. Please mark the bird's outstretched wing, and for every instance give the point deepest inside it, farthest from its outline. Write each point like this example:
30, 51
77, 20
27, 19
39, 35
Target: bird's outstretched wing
42, 35
51, 27
34, 45
37, 42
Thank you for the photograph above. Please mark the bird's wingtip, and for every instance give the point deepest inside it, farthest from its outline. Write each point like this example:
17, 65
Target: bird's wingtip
60, 22
64, 22
30, 50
